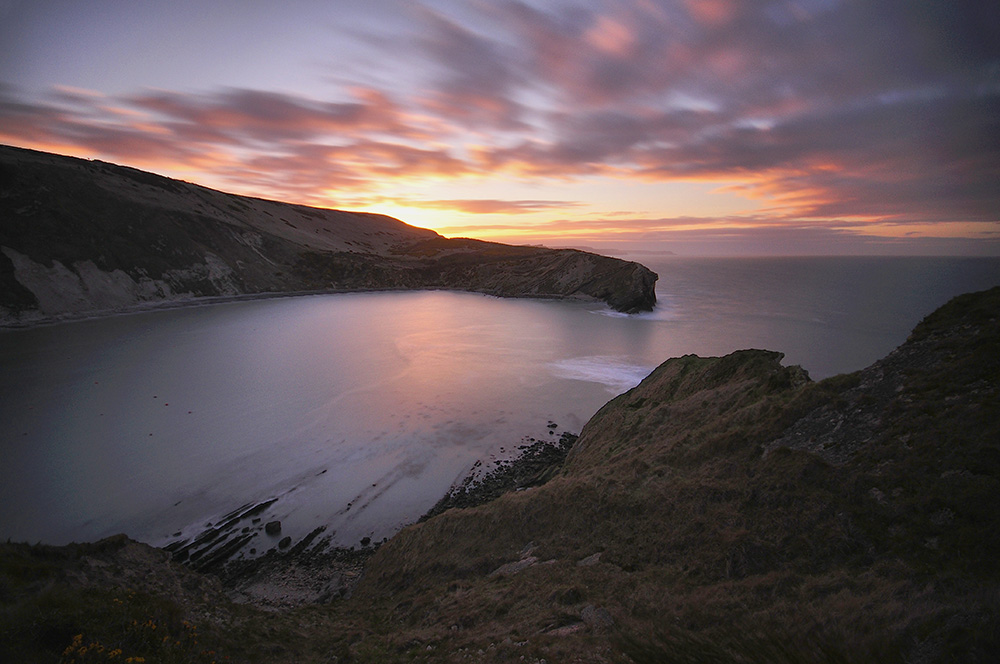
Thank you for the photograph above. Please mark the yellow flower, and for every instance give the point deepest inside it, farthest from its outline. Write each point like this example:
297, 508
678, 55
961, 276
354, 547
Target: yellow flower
77, 640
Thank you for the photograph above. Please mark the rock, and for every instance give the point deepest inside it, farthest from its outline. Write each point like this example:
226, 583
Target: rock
536, 462
514, 567
285, 542
272, 527
590, 560
566, 630
596, 617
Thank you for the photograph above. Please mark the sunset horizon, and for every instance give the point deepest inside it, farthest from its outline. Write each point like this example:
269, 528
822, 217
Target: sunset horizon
699, 128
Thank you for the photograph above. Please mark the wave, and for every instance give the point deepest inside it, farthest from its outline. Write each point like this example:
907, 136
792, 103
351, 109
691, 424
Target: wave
614, 372
664, 310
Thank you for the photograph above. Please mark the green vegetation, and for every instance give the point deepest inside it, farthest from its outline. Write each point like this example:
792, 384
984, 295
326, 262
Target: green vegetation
45, 619
725, 510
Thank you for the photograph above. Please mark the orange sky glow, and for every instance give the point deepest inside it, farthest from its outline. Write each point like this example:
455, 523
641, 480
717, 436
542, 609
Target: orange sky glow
793, 127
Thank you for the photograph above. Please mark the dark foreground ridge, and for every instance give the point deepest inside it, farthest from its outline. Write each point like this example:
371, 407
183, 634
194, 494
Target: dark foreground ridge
726, 509
82, 237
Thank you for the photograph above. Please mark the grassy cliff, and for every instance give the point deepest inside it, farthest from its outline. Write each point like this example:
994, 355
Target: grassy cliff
724, 510
80, 237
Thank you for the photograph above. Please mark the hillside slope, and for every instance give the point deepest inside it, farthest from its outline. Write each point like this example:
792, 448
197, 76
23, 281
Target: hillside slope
724, 510
79, 237
727, 509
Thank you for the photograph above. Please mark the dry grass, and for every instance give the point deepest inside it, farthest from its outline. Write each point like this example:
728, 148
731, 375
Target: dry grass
669, 535
711, 551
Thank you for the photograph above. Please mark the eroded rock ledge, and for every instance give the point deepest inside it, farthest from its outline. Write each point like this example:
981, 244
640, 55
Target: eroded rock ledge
82, 237
726, 509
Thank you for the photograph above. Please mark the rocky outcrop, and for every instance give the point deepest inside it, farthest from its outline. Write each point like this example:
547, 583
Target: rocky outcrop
742, 512
80, 237
727, 509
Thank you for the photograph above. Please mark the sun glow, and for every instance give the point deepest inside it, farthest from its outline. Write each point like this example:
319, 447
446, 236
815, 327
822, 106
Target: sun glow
435, 220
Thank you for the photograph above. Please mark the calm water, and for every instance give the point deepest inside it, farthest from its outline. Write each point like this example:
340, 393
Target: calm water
359, 411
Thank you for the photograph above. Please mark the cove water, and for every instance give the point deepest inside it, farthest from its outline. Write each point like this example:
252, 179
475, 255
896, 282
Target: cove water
358, 412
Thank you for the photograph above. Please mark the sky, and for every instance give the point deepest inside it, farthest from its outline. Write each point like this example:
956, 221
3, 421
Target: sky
698, 127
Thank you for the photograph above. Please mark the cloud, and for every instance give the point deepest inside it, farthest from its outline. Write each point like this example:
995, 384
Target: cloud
734, 235
476, 82
234, 115
882, 108
491, 205
825, 111
248, 141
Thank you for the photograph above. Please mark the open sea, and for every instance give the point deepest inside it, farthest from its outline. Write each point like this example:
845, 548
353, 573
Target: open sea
358, 412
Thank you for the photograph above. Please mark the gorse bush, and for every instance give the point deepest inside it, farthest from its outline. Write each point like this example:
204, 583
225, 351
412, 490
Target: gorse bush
137, 640
83, 626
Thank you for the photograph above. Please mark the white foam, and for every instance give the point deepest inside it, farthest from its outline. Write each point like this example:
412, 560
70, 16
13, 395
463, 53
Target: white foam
614, 372
663, 310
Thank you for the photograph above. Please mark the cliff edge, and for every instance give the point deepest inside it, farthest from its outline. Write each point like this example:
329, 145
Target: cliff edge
727, 509
80, 237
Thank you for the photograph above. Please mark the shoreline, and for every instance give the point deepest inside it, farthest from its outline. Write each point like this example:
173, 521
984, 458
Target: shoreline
311, 571
6, 325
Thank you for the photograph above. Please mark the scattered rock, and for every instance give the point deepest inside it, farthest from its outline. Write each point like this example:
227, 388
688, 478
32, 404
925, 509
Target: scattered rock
538, 461
566, 630
285, 542
596, 617
272, 527
514, 567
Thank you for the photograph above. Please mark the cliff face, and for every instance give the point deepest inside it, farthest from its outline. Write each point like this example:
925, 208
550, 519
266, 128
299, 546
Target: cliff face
729, 509
79, 237
724, 510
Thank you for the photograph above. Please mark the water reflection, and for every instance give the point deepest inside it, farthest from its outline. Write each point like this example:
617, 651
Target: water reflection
358, 411
159, 422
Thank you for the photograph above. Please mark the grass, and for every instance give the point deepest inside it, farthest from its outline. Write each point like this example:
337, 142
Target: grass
668, 518
698, 531
97, 625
